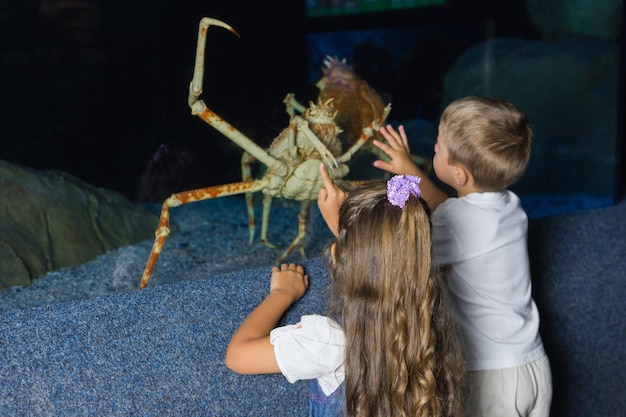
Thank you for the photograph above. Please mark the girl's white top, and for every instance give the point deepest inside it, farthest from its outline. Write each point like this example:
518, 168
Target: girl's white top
482, 237
311, 349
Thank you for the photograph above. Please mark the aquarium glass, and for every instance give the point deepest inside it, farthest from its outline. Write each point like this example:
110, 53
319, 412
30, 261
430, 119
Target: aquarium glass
561, 65
316, 8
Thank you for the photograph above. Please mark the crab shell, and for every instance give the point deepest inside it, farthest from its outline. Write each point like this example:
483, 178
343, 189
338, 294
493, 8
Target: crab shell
320, 118
302, 181
340, 83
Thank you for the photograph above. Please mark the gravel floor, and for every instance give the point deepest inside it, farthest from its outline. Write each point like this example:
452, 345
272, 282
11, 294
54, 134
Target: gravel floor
211, 234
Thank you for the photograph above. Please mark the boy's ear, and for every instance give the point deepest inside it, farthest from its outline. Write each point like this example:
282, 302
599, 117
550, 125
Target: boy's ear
462, 177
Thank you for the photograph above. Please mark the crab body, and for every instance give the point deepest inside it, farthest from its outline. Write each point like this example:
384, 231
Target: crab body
297, 177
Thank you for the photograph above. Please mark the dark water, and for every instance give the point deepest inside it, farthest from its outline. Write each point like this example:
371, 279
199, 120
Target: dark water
96, 88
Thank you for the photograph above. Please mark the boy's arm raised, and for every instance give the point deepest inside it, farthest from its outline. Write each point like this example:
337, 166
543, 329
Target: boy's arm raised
401, 164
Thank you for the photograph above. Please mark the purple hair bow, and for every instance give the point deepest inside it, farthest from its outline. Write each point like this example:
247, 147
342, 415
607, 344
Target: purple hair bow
400, 187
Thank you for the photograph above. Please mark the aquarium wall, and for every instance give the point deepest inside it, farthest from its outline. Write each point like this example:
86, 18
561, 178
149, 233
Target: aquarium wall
558, 61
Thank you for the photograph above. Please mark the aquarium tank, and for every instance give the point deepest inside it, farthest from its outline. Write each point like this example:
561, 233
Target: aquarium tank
95, 87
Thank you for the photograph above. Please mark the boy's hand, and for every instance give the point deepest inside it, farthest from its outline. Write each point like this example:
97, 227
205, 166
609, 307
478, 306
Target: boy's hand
329, 199
399, 152
289, 279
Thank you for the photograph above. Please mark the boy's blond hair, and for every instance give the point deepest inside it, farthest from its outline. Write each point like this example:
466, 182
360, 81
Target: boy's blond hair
490, 137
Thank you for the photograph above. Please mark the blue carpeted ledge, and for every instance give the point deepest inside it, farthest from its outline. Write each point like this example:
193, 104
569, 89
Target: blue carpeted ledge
159, 352
578, 263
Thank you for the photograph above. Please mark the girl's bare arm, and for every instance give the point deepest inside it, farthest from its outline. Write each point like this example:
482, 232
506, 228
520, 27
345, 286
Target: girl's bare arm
250, 350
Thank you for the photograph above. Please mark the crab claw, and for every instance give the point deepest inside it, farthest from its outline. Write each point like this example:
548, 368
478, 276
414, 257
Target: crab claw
329, 159
195, 87
325, 154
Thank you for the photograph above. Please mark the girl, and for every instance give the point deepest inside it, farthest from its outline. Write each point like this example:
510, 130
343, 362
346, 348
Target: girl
389, 347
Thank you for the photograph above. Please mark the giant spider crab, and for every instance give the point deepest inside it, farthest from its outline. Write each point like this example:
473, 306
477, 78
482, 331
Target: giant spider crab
357, 104
292, 160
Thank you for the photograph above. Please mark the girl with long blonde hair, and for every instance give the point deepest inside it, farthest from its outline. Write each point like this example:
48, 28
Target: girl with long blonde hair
389, 345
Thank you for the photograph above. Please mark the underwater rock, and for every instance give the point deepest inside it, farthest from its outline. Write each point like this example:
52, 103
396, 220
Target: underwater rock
593, 19
50, 220
568, 90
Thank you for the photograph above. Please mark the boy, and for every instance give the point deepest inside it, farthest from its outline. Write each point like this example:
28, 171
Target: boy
483, 147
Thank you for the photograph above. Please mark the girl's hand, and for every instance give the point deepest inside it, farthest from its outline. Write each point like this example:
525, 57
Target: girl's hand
398, 150
250, 350
290, 280
329, 199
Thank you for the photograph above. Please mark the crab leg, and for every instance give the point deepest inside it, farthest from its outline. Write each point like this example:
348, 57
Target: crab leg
298, 241
185, 197
199, 108
292, 105
303, 127
267, 206
366, 133
195, 88
246, 175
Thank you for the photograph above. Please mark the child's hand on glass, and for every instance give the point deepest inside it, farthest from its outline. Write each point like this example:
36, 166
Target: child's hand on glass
290, 280
397, 148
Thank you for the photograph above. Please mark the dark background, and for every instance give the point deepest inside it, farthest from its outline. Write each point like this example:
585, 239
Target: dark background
94, 88
103, 120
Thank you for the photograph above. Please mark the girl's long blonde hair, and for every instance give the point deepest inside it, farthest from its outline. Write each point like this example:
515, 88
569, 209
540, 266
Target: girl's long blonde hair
402, 356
